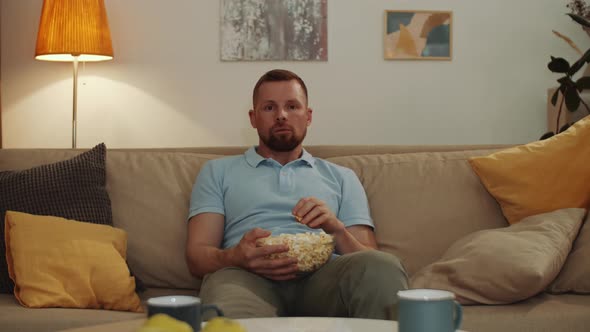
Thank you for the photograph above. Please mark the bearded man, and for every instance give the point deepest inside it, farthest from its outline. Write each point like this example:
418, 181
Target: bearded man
277, 188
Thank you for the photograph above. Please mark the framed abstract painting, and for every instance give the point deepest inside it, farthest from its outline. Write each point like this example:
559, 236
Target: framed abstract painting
258, 30
418, 35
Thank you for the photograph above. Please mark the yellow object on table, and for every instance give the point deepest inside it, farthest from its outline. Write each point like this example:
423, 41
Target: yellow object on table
164, 323
221, 324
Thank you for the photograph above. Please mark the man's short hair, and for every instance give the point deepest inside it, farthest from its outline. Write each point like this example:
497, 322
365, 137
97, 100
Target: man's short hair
277, 75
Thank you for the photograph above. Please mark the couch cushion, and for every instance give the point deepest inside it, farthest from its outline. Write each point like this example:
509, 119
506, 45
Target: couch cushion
73, 188
505, 265
575, 274
56, 262
423, 202
150, 194
541, 313
14, 317
513, 175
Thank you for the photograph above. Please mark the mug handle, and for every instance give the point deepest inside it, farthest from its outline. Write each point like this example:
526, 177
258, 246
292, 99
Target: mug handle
206, 307
458, 315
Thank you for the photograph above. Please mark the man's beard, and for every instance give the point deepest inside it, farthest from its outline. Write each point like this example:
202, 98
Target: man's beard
283, 143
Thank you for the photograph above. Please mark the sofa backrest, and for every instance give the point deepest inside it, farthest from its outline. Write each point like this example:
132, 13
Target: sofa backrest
150, 193
420, 201
423, 202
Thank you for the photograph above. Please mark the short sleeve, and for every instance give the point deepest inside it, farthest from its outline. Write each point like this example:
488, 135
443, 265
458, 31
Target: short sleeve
354, 209
207, 194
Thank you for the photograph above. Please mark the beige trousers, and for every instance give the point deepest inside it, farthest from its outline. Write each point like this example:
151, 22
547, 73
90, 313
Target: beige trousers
363, 284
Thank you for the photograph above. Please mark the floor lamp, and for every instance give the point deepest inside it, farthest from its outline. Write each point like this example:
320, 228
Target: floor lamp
74, 31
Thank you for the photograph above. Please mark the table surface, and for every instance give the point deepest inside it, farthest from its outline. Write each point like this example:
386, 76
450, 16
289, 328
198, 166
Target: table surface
286, 324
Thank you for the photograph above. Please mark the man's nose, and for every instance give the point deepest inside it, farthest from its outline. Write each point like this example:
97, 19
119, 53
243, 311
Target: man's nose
281, 114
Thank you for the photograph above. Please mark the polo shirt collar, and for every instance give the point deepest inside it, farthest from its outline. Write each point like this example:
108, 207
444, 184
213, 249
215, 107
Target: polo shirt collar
254, 159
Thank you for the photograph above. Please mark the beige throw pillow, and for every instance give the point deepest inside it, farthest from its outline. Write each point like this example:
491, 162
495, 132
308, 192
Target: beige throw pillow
505, 265
575, 274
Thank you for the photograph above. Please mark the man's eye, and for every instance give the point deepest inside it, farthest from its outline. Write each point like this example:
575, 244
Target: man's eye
292, 107
268, 108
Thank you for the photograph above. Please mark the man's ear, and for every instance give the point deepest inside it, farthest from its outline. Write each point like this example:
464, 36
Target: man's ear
309, 116
252, 115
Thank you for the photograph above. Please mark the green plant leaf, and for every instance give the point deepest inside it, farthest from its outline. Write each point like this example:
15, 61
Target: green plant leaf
576, 66
554, 97
558, 65
579, 19
583, 83
572, 100
565, 82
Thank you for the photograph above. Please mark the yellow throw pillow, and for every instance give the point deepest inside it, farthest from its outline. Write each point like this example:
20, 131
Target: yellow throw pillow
56, 262
541, 176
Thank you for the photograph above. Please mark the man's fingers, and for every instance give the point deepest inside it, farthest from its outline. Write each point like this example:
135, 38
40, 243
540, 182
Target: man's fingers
290, 269
311, 215
264, 251
271, 249
297, 212
256, 233
317, 221
272, 263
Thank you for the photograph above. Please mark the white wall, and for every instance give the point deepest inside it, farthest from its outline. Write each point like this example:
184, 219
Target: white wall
167, 86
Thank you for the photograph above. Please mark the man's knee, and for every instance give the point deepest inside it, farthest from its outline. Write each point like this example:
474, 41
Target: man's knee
371, 283
240, 294
380, 267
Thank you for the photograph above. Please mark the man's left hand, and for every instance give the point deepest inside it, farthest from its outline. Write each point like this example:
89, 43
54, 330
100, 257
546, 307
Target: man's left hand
315, 213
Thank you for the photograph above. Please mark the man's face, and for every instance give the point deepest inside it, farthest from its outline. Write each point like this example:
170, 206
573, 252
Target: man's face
281, 115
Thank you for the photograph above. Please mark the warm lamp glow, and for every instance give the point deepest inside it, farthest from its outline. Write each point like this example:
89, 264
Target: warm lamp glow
70, 28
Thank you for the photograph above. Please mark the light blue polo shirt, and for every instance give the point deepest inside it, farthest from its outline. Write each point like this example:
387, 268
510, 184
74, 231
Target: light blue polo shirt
251, 191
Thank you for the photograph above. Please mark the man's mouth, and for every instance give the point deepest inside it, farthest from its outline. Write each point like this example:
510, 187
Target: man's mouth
282, 130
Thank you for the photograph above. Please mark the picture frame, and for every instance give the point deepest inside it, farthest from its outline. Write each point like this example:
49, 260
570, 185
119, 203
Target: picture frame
274, 30
418, 35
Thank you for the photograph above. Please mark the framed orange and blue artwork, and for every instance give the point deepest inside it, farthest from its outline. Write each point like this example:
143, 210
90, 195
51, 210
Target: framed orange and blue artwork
418, 35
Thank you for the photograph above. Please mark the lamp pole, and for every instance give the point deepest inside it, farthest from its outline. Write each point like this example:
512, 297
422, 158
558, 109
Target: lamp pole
75, 102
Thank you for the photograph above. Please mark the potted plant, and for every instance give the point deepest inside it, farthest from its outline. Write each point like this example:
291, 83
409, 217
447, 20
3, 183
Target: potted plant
568, 87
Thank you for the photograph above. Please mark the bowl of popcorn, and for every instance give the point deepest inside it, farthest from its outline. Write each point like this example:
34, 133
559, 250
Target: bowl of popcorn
312, 250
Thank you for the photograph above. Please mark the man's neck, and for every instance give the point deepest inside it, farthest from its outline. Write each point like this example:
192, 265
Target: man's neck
282, 158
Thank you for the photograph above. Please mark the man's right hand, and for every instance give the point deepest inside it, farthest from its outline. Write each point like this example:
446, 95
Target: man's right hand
249, 256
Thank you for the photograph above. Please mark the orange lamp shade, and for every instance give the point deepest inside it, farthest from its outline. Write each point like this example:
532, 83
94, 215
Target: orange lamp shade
71, 28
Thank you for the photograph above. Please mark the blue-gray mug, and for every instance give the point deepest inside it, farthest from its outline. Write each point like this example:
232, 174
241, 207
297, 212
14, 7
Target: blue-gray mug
428, 310
185, 308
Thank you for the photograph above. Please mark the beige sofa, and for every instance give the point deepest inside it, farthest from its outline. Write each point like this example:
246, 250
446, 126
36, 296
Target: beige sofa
422, 199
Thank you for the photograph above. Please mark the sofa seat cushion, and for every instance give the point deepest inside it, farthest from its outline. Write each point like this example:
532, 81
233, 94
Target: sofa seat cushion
542, 313
423, 202
14, 317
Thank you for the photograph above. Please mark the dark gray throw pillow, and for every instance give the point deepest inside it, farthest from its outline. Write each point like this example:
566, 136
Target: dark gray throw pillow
72, 189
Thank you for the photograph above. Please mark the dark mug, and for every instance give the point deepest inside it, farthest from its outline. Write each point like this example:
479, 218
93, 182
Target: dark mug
185, 308
426, 310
